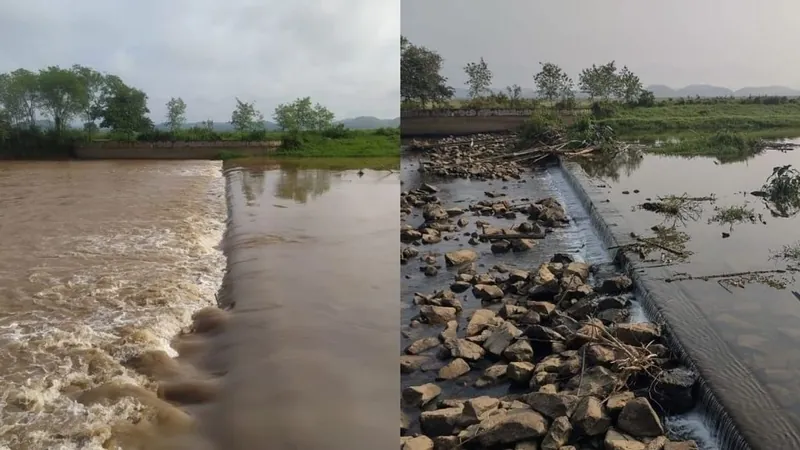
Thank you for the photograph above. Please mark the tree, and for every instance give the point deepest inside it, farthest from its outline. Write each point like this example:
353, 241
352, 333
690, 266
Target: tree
176, 114
420, 80
479, 78
301, 115
628, 87
552, 82
93, 83
599, 81
246, 118
514, 94
21, 97
122, 108
62, 95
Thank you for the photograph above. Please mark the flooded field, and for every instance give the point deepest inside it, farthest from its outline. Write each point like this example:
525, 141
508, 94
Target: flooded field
308, 351
726, 270
440, 392
99, 262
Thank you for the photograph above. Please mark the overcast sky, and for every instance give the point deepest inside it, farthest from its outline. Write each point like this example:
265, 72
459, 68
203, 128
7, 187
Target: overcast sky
731, 43
342, 53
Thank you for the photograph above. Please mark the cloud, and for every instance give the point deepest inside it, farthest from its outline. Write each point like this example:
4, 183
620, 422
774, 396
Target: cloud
342, 53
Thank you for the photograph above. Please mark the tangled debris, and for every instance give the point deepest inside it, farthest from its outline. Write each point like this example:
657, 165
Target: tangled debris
677, 208
775, 278
669, 240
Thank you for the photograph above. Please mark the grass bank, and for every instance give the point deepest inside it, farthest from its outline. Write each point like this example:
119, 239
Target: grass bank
383, 142
703, 117
724, 145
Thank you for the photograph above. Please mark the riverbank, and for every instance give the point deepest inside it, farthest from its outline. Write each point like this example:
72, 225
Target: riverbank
515, 330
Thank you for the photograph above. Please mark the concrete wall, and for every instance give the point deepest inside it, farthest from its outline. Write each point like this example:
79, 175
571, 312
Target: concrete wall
446, 122
172, 150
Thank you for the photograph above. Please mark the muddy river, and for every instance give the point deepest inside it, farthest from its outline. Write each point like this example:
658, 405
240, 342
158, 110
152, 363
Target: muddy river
104, 261
732, 292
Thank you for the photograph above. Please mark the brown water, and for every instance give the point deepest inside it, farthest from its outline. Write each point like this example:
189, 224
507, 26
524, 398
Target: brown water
99, 261
746, 337
309, 354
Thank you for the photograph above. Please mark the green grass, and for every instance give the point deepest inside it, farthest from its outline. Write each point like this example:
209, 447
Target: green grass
725, 146
705, 117
356, 145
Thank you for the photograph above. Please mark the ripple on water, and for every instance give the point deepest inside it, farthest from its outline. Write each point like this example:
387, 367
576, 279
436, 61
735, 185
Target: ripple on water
90, 282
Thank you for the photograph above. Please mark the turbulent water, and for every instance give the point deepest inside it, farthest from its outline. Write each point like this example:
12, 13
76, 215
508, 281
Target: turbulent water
99, 261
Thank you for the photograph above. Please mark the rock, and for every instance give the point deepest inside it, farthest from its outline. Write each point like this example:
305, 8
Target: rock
422, 345
409, 235
673, 390
602, 355
542, 333
412, 363
446, 443
459, 257
478, 408
434, 213
462, 348
520, 372
545, 278
596, 380
453, 369
612, 303
614, 440
590, 418
440, 422
515, 275
558, 434
501, 338
430, 271
684, 445
639, 419
582, 309
526, 445
514, 426
416, 443
552, 405
616, 402
421, 395
450, 331
479, 321
487, 292
460, 286
438, 314
579, 269
522, 245
656, 443
429, 188
637, 333
530, 318
404, 423
519, 351
615, 285
545, 309
500, 246
514, 312
612, 316
492, 375
561, 258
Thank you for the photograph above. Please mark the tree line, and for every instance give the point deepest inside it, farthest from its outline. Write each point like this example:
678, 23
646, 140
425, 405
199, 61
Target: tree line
422, 84
102, 101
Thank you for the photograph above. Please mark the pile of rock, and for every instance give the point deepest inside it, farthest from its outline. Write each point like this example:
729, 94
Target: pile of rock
473, 160
585, 377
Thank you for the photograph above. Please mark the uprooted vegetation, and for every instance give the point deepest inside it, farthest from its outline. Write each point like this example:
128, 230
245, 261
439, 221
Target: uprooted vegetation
789, 252
781, 191
668, 241
733, 215
677, 208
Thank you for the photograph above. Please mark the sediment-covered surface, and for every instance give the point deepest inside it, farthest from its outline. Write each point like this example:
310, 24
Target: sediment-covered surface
306, 354
729, 298
517, 328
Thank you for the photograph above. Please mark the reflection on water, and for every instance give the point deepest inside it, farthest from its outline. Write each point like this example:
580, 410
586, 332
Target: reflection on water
609, 166
310, 354
727, 297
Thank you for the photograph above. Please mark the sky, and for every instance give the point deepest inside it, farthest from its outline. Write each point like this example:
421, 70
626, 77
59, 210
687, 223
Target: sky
730, 43
344, 54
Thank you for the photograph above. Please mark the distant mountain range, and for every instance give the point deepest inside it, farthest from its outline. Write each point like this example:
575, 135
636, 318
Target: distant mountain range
663, 91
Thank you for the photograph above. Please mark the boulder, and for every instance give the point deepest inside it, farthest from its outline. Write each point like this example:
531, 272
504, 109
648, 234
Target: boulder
422, 345
479, 321
637, 333
478, 408
597, 381
519, 351
615, 285
638, 419
450, 331
487, 292
492, 375
673, 391
459, 257
520, 372
558, 434
462, 348
421, 395
412, 363
552, 405
440, 422
453, 369
501, 338
438, 314
515, 426
590, 418
416, 443
614, 440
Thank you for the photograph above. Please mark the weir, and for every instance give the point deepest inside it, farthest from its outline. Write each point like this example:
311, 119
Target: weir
741, 413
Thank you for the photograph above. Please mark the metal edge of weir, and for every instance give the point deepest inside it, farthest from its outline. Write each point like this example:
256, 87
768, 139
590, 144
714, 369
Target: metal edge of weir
723, 427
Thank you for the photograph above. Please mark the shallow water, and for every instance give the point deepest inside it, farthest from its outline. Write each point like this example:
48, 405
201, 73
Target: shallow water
99, 261
745, 337
579, 239
309, 353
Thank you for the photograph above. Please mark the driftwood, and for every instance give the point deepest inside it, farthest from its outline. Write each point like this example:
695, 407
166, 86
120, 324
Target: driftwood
731, 275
